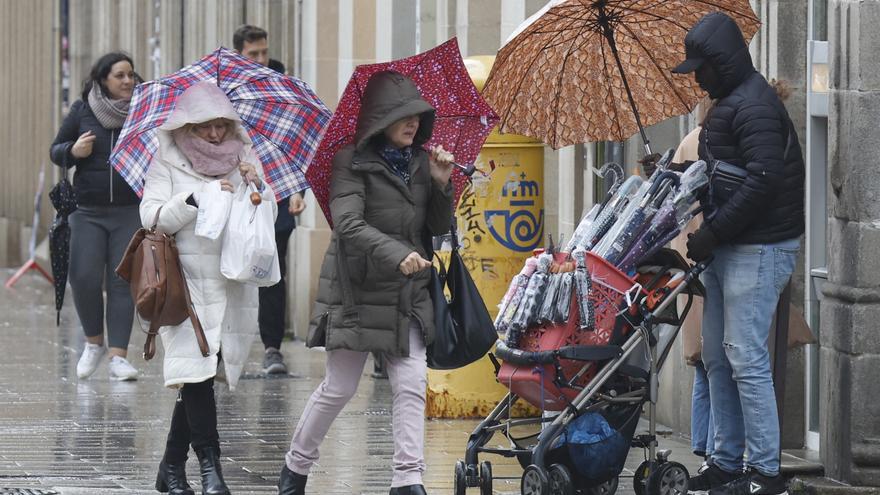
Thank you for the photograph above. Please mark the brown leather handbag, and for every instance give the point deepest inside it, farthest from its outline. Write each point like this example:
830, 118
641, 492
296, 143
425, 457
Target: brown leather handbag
151, 266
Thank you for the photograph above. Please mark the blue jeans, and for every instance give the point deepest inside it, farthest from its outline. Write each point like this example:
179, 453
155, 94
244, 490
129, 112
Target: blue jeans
743, 285
702, 425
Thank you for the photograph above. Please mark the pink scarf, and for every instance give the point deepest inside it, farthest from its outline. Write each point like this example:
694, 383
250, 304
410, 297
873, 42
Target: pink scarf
213, 160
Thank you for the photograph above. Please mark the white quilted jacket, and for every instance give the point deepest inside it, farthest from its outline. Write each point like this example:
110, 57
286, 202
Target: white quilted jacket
227, 310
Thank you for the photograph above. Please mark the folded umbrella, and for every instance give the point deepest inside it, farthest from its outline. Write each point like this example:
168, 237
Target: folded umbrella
617, 204
563, 298
674, 214
510, 301
662, 223
610, 172
629, 222
531, 301
583, 288
63, 199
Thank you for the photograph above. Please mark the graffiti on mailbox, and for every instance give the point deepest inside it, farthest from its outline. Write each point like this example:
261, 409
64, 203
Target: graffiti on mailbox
470, 215
514, 226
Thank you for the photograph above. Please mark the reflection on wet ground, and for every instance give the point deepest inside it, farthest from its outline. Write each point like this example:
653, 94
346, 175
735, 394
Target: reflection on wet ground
99, 436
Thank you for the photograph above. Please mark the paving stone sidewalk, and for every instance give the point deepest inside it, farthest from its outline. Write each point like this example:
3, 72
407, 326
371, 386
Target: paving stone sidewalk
97, 436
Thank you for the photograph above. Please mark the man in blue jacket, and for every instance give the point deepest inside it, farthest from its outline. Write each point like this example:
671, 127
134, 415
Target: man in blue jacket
253, 43
754, 236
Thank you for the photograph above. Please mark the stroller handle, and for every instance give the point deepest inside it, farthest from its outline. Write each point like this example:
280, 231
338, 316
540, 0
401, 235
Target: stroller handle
690, 276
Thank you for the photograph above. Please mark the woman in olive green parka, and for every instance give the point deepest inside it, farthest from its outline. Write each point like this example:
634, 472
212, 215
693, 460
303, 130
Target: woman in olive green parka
386, 193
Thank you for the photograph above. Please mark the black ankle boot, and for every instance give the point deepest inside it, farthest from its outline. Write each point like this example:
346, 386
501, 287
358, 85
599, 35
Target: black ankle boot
212, 475
408, 490
171, 479
291, 483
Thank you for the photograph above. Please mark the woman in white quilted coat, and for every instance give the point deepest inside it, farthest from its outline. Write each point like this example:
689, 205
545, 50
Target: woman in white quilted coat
202, 141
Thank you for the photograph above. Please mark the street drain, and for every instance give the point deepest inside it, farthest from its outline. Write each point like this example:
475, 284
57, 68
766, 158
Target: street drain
26, 491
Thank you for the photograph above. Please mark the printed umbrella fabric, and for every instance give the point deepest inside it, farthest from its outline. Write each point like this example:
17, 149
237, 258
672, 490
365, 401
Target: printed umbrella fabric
463, 119
283, 116
64, 200
662, 223
512, 299
557, 78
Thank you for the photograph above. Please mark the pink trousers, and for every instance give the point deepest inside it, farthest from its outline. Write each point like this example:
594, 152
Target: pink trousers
408, 377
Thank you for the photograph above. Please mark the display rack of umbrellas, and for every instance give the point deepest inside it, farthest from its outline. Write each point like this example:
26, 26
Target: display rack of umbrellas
637, 218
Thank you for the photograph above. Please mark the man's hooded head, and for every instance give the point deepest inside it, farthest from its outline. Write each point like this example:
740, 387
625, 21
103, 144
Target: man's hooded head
716, 51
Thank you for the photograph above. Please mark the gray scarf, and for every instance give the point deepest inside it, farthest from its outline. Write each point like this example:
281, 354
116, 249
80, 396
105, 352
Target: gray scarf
110, 113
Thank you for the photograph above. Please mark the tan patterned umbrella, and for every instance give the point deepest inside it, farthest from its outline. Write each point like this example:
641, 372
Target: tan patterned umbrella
600, 70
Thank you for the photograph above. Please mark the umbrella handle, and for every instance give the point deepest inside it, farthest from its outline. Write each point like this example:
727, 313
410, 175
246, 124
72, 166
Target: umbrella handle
468, 170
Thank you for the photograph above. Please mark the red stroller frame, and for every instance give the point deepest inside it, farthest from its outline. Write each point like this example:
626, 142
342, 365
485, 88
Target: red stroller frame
549, 387
576, 372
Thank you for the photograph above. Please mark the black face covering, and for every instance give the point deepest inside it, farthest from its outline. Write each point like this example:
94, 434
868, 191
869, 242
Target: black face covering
708, 78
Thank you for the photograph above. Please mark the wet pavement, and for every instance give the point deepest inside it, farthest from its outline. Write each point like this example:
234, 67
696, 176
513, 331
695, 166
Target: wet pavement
96, 436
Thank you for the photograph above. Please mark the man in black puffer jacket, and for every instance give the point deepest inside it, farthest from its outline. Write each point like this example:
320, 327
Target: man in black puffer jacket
754, 237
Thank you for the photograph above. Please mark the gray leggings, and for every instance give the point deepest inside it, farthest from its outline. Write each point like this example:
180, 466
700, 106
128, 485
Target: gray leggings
98, 238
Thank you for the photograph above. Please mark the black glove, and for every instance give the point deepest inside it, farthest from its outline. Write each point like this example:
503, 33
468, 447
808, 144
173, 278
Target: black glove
700, 244
649, 164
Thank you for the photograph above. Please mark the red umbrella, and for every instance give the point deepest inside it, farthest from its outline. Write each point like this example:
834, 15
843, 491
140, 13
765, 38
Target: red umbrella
463, 120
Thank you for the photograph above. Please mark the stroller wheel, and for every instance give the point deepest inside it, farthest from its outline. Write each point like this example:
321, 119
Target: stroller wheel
535, 481
459, 483
560, 480
607, 488
485, 478
670, 478
640, 477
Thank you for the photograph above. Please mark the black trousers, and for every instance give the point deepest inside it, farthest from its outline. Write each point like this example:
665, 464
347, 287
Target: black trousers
193, 422
273, 299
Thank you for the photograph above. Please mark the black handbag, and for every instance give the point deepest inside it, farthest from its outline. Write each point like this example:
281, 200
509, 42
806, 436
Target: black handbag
724, 178
464, 331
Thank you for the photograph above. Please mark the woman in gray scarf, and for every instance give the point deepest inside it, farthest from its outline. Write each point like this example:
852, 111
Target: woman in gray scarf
107, 214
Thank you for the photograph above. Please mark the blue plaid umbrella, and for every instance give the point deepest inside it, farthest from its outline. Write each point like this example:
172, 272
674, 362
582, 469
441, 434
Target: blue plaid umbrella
283, 116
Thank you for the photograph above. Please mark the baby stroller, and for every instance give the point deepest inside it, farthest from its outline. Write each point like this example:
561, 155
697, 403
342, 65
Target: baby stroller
597, 379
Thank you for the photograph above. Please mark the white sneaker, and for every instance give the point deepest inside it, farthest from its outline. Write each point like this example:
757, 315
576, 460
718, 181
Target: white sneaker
89, 360
121, 370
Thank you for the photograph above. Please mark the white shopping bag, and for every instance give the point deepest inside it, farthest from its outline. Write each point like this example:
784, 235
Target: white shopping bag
249, 253
214, 204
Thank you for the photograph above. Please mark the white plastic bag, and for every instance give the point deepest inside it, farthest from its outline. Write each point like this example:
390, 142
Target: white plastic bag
249, 253
214, 204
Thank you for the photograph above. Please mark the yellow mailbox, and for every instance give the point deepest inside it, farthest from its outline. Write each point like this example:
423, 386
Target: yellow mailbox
501, 220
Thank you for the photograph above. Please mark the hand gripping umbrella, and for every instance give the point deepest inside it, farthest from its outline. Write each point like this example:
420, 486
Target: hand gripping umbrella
462, 123
282, 115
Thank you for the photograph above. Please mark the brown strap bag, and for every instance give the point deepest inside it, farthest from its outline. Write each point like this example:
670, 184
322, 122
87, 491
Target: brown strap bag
151, 266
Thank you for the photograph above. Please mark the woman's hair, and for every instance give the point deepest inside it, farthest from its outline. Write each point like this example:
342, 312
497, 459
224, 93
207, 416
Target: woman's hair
101, 69
230, 128
782, 87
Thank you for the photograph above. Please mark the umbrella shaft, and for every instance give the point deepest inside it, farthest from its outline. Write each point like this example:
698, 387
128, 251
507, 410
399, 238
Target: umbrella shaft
609, 35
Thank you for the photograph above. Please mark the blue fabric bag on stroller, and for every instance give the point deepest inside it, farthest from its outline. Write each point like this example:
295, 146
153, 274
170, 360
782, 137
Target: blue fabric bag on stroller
596, 450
